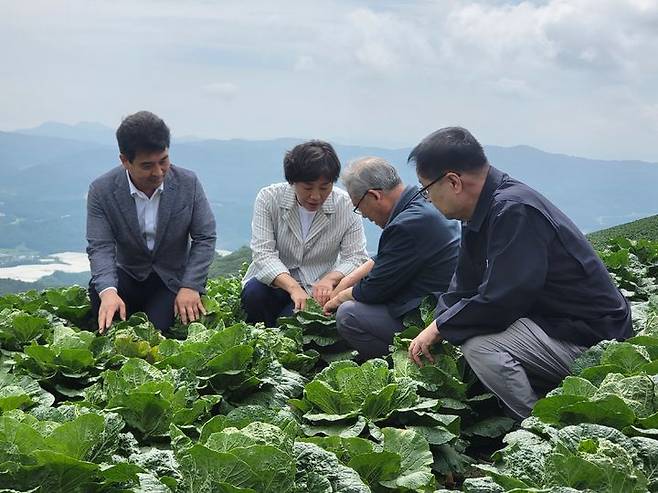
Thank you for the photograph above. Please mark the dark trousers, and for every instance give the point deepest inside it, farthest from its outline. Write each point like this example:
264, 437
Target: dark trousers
264, 303
367, 328
150, 296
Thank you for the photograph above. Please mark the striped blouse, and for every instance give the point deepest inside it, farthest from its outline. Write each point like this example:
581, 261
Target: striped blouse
335, 242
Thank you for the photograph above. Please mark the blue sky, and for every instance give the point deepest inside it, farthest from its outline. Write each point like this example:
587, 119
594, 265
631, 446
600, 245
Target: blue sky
571, 76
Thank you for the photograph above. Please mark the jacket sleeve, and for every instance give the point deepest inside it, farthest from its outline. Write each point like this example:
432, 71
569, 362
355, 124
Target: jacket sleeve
263, 242
396, 264
204, 236
517, 266
352, 247
101, 243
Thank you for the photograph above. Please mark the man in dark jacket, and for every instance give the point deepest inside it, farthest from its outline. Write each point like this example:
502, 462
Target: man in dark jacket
372, 301
529, 293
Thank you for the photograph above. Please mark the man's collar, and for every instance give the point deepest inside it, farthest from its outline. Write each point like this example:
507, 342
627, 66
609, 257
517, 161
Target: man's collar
494, 178
136, 191
403, 201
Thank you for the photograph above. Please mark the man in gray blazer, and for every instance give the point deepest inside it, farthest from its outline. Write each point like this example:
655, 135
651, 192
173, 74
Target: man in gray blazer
150, 231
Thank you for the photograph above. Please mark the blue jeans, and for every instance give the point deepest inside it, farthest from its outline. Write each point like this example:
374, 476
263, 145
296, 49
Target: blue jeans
264, 303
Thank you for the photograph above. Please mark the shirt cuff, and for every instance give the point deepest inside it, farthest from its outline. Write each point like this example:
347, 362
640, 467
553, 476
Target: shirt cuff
356, 292
106, 289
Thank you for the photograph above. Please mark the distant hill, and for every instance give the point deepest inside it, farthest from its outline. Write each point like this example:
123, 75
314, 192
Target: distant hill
44, 180
55, 280
19, 152
86, 131
646, 229
230, 265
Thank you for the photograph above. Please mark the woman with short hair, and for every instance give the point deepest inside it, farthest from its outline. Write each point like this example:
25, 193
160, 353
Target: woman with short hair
305, 236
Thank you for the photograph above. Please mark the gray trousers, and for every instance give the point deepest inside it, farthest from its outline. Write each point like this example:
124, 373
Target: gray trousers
520, 364
367, 328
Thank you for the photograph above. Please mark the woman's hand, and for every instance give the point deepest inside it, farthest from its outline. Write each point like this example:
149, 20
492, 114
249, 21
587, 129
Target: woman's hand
298, 297
297, 294
322, 290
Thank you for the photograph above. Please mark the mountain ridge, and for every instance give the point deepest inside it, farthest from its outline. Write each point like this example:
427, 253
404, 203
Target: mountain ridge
78, 132
45, 180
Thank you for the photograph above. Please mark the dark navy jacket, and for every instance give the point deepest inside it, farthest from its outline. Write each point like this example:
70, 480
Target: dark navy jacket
522, 257
416, 256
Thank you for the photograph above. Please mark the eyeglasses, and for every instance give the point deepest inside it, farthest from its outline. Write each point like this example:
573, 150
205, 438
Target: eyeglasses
356, 207
425, 191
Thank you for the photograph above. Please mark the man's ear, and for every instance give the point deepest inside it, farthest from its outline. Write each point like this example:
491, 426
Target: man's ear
455, 182
124, 161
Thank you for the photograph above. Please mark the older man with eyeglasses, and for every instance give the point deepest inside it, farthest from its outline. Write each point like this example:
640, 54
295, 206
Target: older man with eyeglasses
416, 257
529, 294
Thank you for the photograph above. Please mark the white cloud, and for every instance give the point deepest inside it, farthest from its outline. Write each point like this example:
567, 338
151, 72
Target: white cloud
515, 87
384, 41
224, 90
305, 63
649, 116
384, 72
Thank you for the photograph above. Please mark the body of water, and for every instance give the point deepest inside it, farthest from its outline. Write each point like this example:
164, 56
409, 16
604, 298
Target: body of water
63, 262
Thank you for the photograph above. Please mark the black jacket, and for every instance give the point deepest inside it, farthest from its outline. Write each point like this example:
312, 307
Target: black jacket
416, 256
522, 257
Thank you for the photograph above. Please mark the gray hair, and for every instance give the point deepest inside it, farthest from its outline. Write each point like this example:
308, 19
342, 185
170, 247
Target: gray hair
366, 173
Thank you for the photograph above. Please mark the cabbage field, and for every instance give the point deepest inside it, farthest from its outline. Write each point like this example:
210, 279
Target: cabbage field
223, 406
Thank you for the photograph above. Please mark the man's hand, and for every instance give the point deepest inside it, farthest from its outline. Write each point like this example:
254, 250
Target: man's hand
299, 296
111, 302
188, 305
322, 290
341, 286
422, 343
333, 304
350, 280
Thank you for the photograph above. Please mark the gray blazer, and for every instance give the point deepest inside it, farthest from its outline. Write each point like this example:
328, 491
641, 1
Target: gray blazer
185, 235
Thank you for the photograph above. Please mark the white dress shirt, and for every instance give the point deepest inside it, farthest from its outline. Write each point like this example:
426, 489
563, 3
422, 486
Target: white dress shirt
147, 211
147, 214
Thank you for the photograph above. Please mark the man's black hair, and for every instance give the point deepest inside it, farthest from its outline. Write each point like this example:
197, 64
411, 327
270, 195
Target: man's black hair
311, 161
142, 132
447, 149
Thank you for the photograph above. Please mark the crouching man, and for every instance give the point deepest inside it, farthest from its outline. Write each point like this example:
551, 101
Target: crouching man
529, 293
150, 231
416, 257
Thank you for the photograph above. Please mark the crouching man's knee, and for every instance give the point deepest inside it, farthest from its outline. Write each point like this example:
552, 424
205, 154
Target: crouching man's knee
346, 318
482, 355
475, 347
